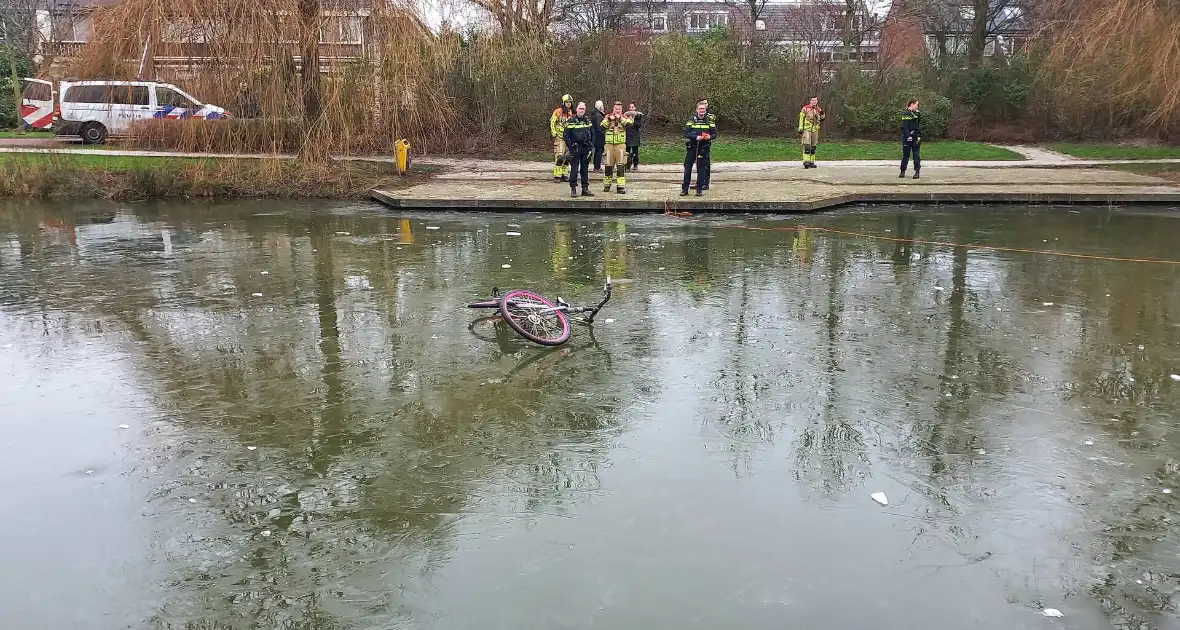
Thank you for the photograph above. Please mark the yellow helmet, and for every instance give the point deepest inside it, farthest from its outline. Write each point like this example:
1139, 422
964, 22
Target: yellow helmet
566, 98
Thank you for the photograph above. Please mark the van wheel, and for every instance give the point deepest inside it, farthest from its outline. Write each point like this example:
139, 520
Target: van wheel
93, 133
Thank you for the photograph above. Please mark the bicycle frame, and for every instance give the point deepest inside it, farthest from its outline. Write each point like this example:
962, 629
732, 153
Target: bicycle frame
559, 304
592, 310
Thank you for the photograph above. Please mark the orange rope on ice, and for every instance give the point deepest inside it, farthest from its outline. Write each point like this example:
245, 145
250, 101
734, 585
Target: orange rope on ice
898, 239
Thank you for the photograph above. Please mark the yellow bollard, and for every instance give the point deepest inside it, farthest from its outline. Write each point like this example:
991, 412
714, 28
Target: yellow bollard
402, 155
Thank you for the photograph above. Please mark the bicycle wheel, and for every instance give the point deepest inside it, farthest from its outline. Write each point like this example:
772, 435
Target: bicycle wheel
535, 317
478, 325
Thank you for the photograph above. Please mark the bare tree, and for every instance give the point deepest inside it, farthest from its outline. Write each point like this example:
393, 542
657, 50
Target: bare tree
753, 10
850, 22
521, 17
948, 22
594, 16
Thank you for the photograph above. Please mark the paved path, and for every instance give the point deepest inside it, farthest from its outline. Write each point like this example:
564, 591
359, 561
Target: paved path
1043, 177
1034, 158
771, 188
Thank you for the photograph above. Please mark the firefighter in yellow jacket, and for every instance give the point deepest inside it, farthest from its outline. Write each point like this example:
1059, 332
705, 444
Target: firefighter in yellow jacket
561, 157
615, 126
810, 118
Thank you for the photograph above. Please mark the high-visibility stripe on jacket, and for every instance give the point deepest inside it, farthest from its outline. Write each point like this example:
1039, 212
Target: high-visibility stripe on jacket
616, 130
911, 126
558, 120
810, 118
696, 126
579, 134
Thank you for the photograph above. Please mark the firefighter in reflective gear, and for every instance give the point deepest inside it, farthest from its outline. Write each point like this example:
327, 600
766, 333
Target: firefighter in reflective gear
615, 126
911, 138
810, 118
579, 137
561, 115
699, 133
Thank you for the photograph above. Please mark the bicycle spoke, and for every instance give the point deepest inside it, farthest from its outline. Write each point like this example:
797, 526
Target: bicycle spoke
535, 317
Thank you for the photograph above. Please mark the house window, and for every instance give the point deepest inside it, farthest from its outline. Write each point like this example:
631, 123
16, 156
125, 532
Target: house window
703, 21
342, 30
654, 22
77, 29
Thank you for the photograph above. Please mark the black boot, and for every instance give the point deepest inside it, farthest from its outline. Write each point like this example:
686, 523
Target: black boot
573, 192
586, 192
902, 176
565, 178
916, 173
683, 192
700, 193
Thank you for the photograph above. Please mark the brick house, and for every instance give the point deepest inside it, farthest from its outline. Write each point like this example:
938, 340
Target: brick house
904, 29
66, 28
816, 28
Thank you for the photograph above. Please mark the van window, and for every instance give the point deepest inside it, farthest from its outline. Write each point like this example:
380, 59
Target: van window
85, 94
165, 96
37, 91
108, 94
129, 95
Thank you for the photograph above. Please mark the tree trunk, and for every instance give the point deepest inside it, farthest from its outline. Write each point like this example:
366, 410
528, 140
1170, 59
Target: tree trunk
309, 13
9, 30
979, 23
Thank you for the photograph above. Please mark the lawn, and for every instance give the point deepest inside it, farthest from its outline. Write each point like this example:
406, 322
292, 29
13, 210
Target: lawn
34, 135
1116, 151
80, 175
738, 149
105, 162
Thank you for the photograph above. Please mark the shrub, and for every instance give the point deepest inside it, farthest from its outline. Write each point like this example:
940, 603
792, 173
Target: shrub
871, 106
9, 116
233, 135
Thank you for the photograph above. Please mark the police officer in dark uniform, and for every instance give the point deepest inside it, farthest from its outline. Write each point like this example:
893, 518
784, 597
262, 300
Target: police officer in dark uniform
699, 132
711, 116
579, 139
911, 138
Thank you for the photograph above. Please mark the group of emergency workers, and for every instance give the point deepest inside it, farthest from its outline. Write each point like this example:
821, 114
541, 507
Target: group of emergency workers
612, 139
577, 137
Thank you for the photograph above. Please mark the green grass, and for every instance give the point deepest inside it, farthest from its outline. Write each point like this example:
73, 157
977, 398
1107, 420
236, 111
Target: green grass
738, 149
80, 175
105, 162
36, 135
1115, 151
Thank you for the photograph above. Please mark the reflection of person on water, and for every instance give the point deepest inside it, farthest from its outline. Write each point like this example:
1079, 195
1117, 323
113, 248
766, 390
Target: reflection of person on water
802, 244
907, 227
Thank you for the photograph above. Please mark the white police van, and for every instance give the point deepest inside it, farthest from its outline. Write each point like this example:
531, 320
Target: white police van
95, 110
36, 107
